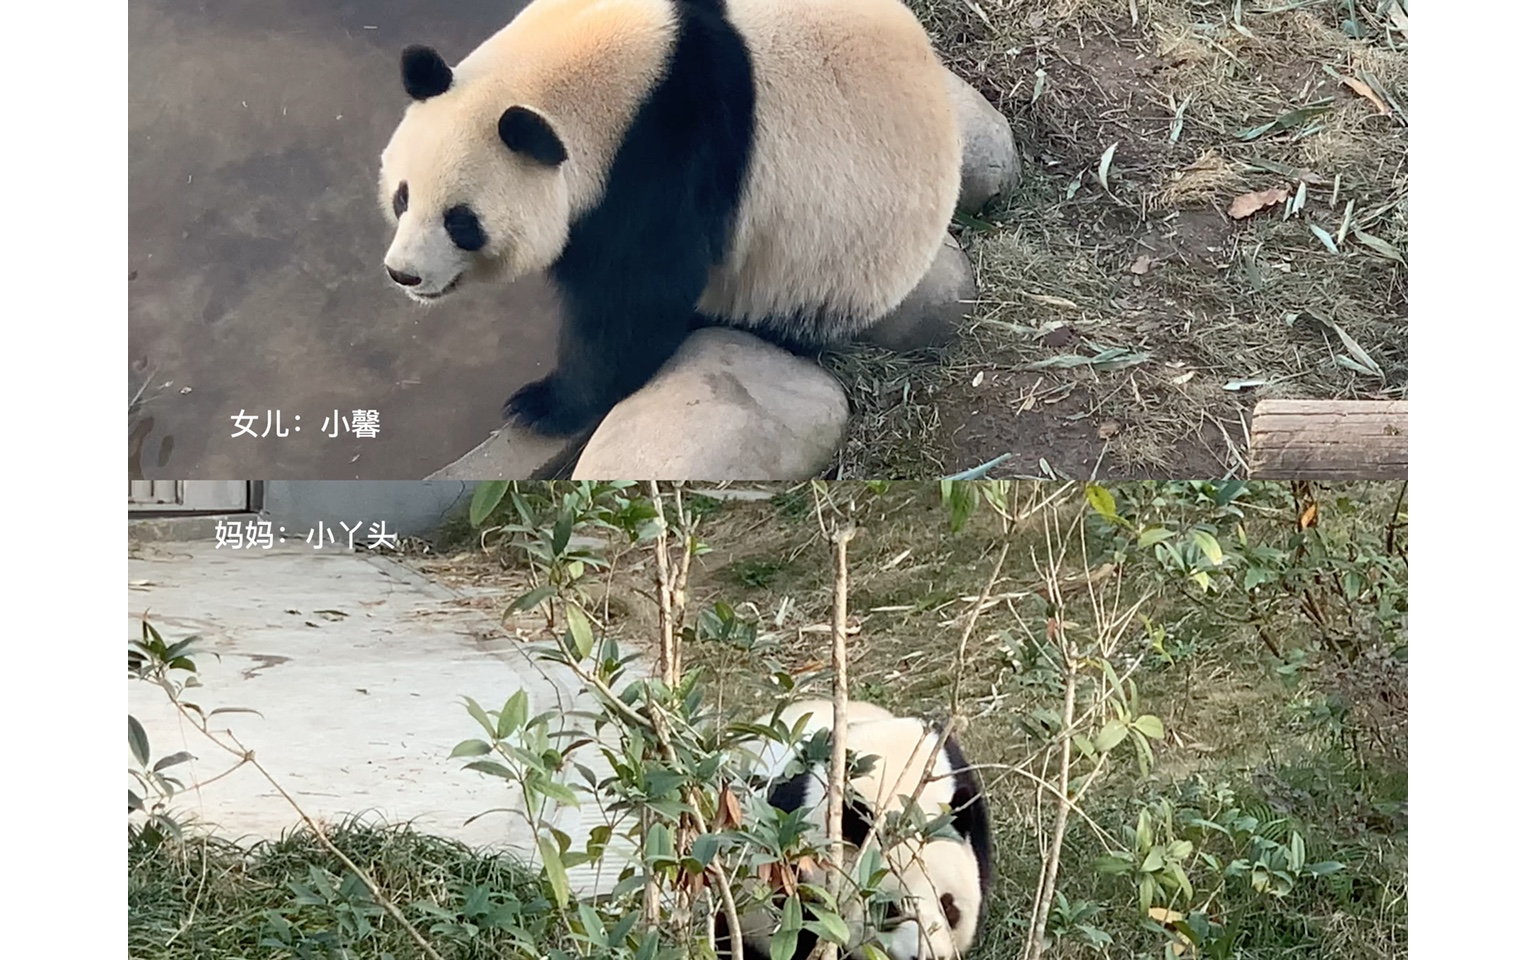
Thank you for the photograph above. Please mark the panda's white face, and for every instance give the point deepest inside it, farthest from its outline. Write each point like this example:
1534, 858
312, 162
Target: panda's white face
465, 204
940, 889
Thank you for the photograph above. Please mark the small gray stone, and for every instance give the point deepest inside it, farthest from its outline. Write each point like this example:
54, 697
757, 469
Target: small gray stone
511, 453
727, 406
933, 312
991, 158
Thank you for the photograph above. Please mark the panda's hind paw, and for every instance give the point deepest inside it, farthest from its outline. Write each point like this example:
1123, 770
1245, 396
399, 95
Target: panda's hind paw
542, 407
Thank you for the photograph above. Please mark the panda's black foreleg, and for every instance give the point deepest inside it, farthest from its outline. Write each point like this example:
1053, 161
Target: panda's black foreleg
605, 354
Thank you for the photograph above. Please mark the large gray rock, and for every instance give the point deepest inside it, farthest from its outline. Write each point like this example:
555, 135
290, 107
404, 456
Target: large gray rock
991, 159
727, 406
933, 312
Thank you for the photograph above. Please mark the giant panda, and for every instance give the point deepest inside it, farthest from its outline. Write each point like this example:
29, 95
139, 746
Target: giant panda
944, 883
788, 167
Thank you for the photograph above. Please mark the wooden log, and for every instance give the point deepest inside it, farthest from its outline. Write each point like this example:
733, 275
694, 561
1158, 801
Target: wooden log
1329, 440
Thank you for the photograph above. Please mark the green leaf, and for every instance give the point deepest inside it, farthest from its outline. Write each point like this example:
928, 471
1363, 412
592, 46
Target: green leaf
705, 847
470, 748
554, 868
560, 538
782, 946
658, 843
1208, 546
135, 802
1153, 536
171, 761
488, 494
1255, 576
529, 600
1154, 861
491, 767
962, 498
1102, 502
581, 631
1148, 725
563, 795
215, 713
1147, 889
1230, 490
648, 945
1114, 864
1179, 849
1298, 852
514, 714
1183, 880
138, 742
1108, 738
592, 923
836, 929
476, 711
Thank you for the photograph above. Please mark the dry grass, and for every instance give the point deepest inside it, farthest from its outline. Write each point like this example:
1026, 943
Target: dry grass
1188, 302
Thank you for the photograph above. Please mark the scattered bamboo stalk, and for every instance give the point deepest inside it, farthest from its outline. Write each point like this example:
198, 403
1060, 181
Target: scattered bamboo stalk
838, 772
1068, 648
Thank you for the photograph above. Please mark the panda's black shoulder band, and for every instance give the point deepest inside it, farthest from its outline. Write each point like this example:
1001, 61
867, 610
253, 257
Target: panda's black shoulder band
424, 72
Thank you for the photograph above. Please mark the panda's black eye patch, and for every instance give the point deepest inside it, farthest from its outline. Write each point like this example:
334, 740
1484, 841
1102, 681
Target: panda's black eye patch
463, 227
402, 199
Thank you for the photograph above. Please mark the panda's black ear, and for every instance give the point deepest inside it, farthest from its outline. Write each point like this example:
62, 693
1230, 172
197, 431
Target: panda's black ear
425, 73
525, 132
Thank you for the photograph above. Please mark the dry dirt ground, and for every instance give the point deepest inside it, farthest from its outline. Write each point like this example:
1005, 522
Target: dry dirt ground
1128, 321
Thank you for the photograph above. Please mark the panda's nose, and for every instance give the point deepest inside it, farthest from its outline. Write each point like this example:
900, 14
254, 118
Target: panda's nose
404, 279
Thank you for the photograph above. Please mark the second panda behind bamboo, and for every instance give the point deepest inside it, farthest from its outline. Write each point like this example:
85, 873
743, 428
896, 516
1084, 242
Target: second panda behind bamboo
941, 885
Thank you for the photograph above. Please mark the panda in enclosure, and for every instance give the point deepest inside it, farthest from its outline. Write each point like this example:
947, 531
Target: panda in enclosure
943, 884
787, 167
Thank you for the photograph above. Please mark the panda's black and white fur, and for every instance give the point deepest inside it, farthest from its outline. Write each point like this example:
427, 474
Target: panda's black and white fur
784, 166
944, 883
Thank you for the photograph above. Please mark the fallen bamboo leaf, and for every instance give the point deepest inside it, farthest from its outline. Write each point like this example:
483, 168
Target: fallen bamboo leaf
1353, 346
1050, 301
1293, 119
1236, 385
1105, 160
1399, 18
1251, 203
1364, 89
1183, 378
1142, 265
1378, 245
1322, 235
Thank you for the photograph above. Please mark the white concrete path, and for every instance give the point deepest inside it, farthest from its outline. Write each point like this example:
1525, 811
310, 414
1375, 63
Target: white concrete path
358, 666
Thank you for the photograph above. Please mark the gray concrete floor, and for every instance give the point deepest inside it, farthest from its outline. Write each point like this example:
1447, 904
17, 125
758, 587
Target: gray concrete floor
256, 247
358, 666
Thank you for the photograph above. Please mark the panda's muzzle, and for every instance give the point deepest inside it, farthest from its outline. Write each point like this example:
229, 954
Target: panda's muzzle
411, 284
402, 278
